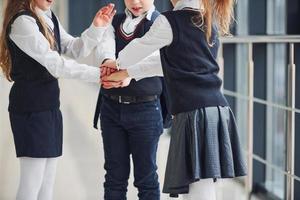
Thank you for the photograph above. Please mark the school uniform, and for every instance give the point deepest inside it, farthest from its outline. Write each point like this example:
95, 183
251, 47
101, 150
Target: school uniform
204, 139
35, 116
131, 119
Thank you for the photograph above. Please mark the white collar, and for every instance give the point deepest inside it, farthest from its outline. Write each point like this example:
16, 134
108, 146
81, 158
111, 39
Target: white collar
46, 13
195, 4
148, 14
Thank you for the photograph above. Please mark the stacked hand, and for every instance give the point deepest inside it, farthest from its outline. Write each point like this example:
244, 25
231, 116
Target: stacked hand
113, 78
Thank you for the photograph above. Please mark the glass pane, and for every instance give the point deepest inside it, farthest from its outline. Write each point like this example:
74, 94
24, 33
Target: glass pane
297, 191
276, 187
297, 148
241, 120
276, 152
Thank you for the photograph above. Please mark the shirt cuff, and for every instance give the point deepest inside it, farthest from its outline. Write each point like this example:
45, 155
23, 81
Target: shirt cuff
135, 72
119, 65
94, 75
106, 57
96, 33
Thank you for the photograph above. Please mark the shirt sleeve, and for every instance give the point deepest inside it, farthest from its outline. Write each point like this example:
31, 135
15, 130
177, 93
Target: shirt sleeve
106, 49
159, 35
26, 35
149, 67
80, 47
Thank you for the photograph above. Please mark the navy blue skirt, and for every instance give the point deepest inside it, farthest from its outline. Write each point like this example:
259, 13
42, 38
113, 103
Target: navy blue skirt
37, 134
204, 144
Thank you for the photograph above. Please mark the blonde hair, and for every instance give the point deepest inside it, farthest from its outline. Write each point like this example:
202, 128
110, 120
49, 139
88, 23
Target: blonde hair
219, 12
12, 8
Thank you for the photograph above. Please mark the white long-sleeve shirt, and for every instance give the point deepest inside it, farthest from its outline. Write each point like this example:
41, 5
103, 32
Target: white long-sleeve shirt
107, 48
135, 56
26, 35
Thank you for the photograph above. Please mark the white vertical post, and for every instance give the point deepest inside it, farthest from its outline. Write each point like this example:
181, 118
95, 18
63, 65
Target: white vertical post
290, 159
221, 64
249, 179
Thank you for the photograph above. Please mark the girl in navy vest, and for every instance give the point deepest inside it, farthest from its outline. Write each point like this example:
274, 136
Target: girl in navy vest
204, 140
31, 42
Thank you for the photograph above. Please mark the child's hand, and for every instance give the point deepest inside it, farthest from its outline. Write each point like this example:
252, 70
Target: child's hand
104, 16
110, 64
126, 82
117, 76
118, 84
111, 78
106, 71
111, 84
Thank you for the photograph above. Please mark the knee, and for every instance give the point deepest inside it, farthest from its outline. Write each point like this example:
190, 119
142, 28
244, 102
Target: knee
148, 181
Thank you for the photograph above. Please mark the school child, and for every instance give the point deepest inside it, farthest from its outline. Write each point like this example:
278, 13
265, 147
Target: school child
204, 142
32, 40
131, 117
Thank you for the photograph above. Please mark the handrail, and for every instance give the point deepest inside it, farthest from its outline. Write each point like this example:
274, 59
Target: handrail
290, 40
261, 39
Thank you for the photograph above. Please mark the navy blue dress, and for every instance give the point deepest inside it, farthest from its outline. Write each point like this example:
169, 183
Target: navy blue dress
35, 118
204, 138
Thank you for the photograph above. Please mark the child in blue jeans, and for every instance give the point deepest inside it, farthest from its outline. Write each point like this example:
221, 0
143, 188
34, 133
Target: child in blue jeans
131, 117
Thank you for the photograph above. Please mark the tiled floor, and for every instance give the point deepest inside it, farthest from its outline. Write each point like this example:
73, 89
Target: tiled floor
80, 171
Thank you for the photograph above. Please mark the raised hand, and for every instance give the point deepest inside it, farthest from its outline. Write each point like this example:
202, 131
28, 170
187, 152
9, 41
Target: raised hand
104, 16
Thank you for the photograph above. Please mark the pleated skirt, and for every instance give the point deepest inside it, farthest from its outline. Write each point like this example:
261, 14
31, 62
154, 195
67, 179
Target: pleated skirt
204, 144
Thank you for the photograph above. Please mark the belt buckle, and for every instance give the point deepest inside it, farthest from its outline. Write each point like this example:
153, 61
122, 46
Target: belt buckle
124, 102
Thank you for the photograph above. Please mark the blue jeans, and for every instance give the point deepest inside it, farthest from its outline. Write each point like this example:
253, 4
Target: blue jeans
131, 129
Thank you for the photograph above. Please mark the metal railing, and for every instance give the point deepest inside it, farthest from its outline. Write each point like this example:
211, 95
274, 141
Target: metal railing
290, 108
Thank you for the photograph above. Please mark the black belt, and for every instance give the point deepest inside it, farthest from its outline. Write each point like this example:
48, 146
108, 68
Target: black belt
131, 99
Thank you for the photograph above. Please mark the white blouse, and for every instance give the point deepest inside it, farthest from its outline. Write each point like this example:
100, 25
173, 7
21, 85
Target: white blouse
107, 48
135, 56
26, 35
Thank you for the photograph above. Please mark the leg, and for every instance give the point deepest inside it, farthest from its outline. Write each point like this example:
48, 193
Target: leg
205, 189
116, 153
31, 177
46, 191
145, 128
144, 160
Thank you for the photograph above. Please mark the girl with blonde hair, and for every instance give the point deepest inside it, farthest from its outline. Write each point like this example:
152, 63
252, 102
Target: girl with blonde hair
204, 142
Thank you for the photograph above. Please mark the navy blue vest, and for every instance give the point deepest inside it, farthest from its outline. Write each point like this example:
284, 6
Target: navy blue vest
34, 88
146, 86
189, 65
